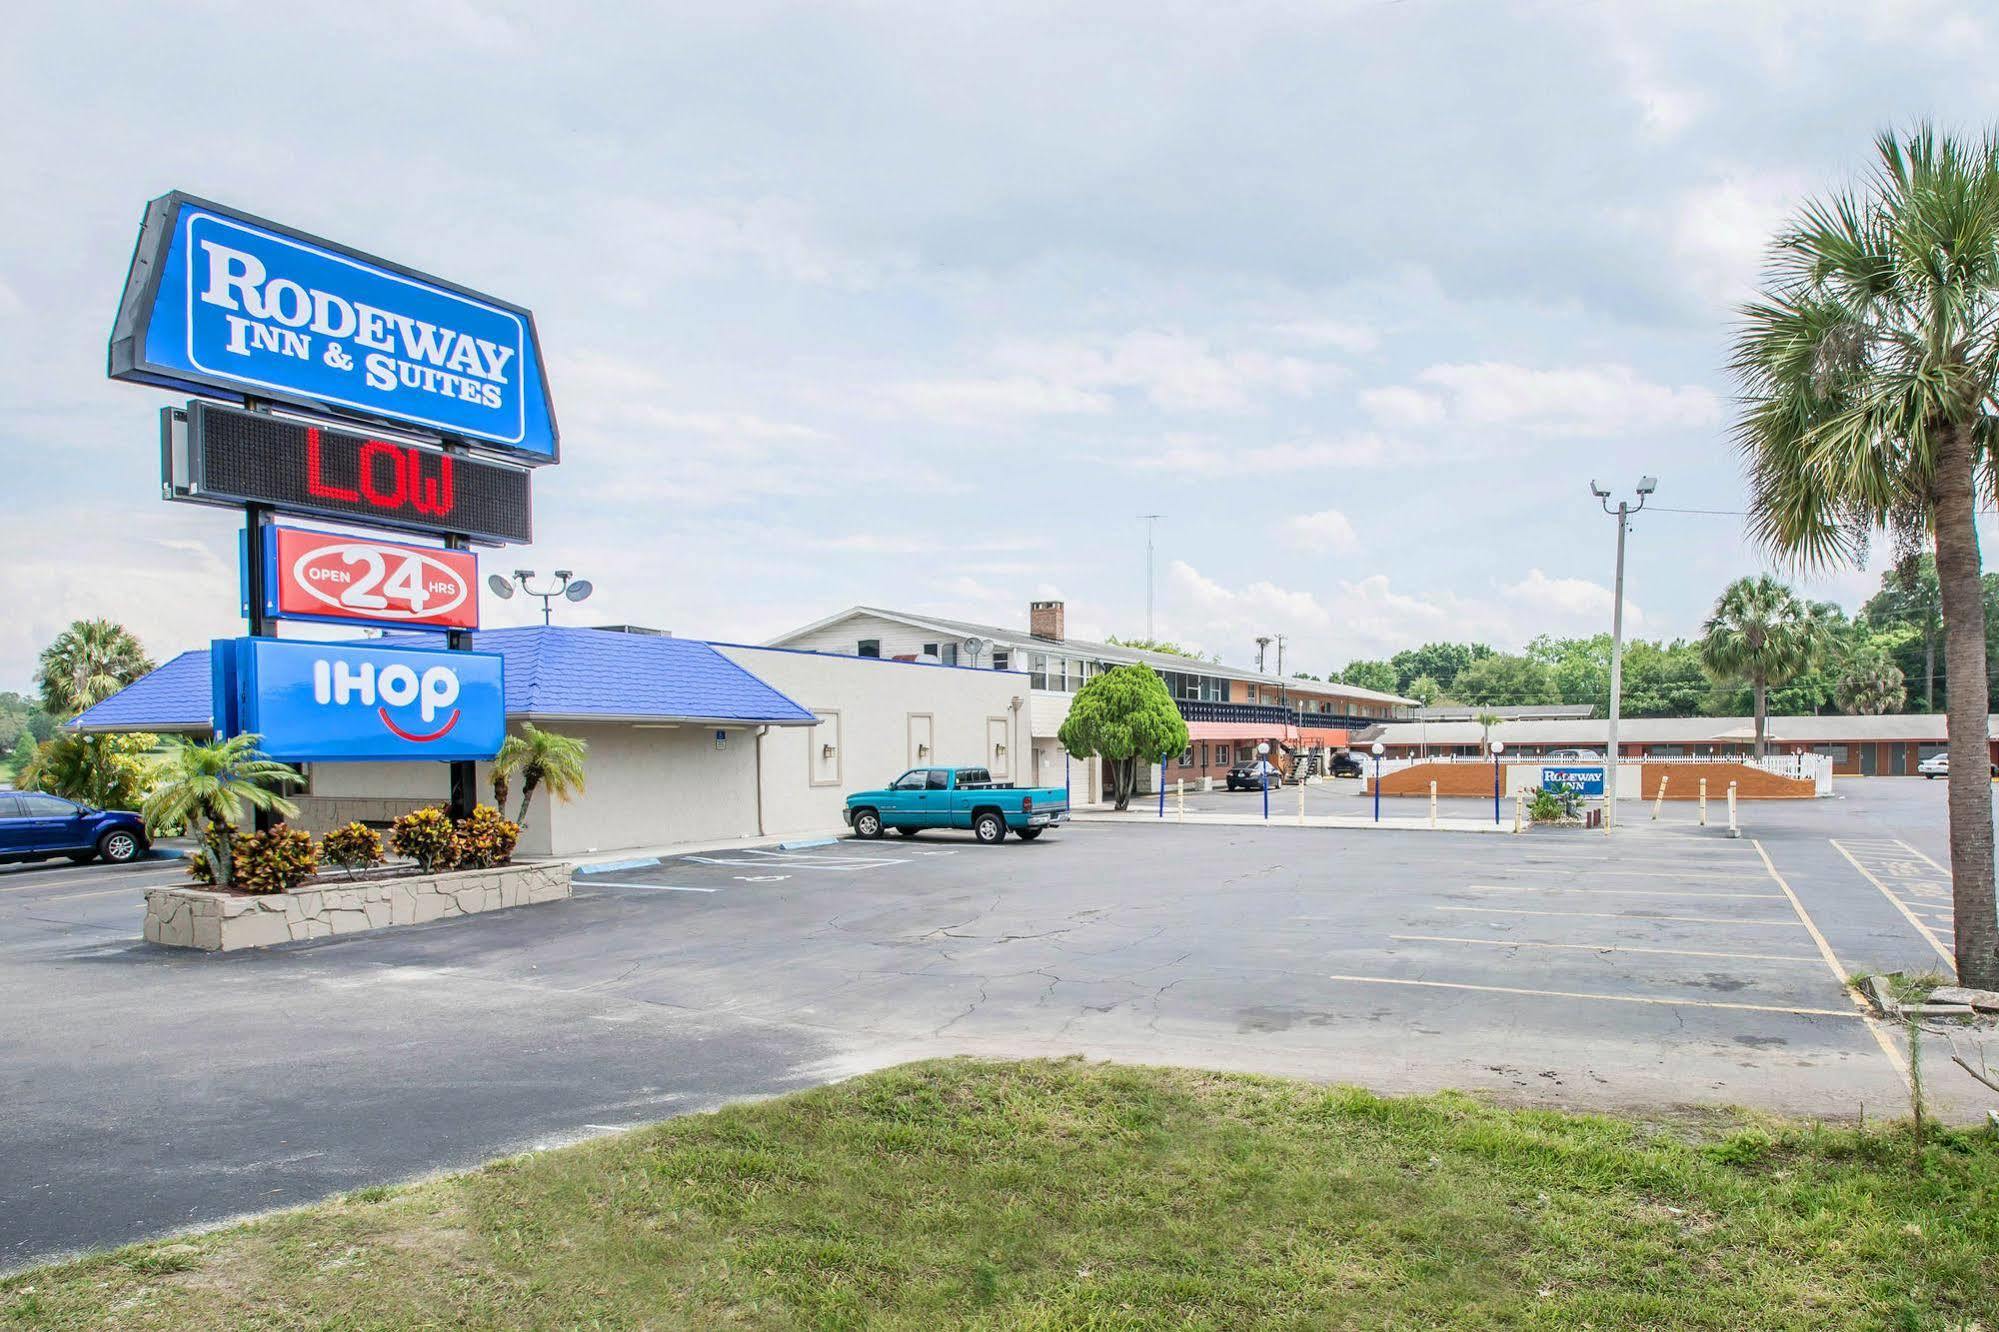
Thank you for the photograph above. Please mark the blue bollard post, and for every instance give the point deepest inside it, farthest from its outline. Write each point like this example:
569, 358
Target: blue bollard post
1266, 793
1377, 788
1162, 786
1495, 790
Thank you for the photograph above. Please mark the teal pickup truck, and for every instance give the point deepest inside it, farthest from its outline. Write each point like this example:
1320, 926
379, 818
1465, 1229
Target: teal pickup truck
957, 798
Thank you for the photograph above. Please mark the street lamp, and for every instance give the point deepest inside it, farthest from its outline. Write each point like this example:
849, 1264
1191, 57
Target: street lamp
1376, 750
1263, 771
1623, 512
578, 590
1498, 748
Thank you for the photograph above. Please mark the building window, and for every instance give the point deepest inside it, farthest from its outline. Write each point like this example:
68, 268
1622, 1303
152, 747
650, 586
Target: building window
1187, 757
1037, 670
1002, 659
869, 647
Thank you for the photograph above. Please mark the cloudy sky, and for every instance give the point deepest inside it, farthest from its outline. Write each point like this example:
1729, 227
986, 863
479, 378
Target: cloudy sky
923, 304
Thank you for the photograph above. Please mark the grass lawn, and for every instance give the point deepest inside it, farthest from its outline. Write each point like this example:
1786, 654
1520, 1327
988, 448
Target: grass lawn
1063, 1194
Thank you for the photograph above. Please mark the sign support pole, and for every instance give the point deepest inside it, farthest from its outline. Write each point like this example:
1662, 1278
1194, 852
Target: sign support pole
256, 541
464, 774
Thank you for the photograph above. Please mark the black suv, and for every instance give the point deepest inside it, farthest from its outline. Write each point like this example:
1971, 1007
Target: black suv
1344, 764
1250, 776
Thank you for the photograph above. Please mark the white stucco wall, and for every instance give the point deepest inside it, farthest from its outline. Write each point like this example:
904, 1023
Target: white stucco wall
871, 713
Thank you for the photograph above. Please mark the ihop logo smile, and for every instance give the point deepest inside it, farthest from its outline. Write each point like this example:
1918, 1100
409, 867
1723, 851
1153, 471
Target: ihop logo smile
341, 683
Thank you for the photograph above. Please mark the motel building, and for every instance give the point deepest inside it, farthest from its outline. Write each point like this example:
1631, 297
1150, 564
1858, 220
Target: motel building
1229, 711
1886, 746
689, 741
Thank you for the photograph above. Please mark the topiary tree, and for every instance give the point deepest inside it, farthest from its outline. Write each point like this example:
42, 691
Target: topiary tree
1125, 717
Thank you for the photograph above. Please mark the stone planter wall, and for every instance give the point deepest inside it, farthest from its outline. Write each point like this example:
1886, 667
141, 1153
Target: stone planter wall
222, 922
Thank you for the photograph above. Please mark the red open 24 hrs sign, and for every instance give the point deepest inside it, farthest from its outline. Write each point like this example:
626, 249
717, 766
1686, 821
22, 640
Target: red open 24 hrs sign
325, 576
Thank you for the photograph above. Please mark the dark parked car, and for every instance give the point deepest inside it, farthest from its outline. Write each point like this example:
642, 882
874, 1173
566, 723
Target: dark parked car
1251, 776
34, 826
1344, 764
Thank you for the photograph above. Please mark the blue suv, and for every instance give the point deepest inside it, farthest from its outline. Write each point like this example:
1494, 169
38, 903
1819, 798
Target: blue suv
34, 826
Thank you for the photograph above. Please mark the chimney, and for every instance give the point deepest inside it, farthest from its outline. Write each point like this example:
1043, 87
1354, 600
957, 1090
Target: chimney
1044, 620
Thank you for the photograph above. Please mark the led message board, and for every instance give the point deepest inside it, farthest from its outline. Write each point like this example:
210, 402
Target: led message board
222, 455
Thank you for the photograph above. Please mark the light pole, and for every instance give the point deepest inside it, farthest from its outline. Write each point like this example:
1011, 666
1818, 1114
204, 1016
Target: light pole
1376, 750
1498, 748
1623, 512
578, 590
1263, 766
1149, 519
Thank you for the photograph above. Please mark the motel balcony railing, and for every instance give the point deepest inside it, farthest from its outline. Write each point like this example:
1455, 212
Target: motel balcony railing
1269, 714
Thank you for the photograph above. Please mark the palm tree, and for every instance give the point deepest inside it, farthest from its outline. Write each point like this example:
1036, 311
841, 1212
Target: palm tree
1486, 721
87, 663
1869, 684
209, 784
1870, 375
1761, 634
542, 758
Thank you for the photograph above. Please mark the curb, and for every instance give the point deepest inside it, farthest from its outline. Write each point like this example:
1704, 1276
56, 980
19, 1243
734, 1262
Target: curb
800, 846
612, 866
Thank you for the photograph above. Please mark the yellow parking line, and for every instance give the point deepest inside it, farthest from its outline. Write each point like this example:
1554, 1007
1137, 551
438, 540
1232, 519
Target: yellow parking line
1839, 973
1600, 892
1609, 948
1633, 916
1949, 958
1606, 998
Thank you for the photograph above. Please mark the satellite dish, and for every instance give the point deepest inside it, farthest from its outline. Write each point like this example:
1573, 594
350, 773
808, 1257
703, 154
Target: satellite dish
502, 588
973, 647
578, 590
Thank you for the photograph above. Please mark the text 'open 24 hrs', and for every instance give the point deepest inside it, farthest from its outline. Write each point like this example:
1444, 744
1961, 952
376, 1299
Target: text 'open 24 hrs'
240, 457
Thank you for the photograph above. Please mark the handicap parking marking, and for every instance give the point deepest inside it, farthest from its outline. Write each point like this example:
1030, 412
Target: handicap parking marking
1910, 880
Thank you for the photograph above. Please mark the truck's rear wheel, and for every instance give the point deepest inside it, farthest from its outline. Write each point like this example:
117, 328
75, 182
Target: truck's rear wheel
867, 824
906, 832
989, 827
1028, 834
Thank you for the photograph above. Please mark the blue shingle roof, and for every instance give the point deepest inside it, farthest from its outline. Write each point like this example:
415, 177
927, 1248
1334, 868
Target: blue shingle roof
551, 672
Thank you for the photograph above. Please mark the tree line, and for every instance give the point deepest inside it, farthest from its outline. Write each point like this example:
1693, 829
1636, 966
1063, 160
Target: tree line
1882, 659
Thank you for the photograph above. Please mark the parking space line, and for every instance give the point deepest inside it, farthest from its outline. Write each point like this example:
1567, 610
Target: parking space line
100, 892
1605, 998
1617, 915
1839, 973
1661, 873
1950, 959
663, 887
1600, 892
1610, 948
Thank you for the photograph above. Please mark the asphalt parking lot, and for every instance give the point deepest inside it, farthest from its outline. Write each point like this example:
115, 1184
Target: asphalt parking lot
148, 1089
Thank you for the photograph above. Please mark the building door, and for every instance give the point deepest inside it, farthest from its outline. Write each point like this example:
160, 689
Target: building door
998, 752
1898, 760
1870, 756
922, 741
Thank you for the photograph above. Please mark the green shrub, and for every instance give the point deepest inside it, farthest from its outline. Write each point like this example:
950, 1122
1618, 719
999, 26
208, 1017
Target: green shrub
427, 837
486, 838
354, 846
274, 861
216, 839
1544, 806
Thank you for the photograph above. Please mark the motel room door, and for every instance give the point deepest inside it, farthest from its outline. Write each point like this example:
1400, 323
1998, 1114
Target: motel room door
922, 740
999, 754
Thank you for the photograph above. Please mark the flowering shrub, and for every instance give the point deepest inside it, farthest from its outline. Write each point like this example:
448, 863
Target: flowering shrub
486, 838
427, 837
354, 846
274, 861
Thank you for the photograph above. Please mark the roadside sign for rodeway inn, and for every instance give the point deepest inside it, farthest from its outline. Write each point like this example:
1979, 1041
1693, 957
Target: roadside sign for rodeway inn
220, 300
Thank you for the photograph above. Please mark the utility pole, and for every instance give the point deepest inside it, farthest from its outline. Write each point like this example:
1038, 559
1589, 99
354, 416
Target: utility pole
1623, 512
1149, 519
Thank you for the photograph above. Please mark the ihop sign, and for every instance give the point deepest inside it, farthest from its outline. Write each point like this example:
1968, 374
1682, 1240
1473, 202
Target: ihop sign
217, 299
318, 702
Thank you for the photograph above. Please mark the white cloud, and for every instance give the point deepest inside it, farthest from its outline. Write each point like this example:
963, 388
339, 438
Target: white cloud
1343, 335
1400, 406
1567, 603
1170, 370
1571, 400
1328, 529
1720, 231
1352, 451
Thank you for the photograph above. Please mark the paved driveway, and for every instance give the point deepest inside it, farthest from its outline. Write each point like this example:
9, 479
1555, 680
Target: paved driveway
148, 1089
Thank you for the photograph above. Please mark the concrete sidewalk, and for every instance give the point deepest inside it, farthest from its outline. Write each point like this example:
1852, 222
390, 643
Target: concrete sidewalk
1294, 820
